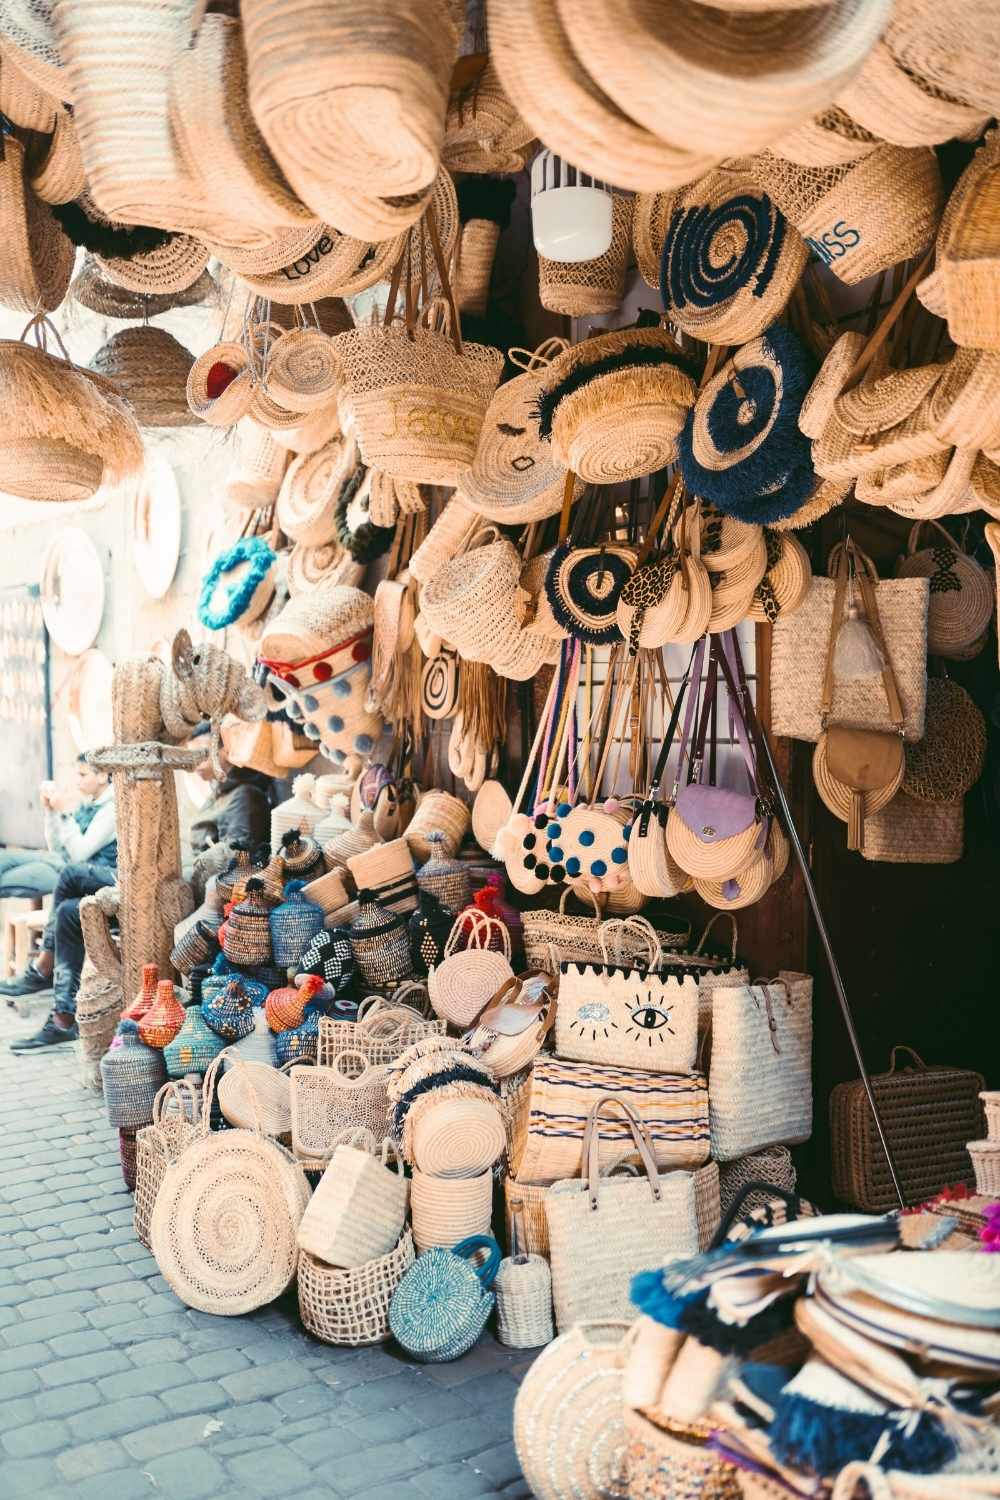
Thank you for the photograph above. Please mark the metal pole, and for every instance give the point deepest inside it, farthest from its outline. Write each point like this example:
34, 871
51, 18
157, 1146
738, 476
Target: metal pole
838, 982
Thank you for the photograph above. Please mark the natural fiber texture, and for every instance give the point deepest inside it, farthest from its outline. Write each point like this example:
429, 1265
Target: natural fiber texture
773, 1166
675, 1460
157, 1145
827, 140
38, 261
524, 1302
255, 1092
328, 1100
167, 269
132, 1075
986, 1165
760, 1089
817, 406
358, 1210
151, 370
900, 105
483, 132
454, 1136
311, 491
381, 1034
948, 761
351, 1307
907, 1096
586, 288
908, 832
568, 1417
448, 1209
98, 293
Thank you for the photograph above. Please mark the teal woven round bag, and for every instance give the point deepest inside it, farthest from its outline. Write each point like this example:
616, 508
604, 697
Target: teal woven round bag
442, 1304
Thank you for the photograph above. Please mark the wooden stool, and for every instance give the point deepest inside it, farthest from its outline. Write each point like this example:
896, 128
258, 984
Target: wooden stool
16, 907
28, 929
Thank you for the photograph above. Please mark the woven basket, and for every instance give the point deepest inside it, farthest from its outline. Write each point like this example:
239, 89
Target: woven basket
448, 1209
474, 600
387, 871
991, 1108
454, 1136
255, 1095
469, 976
446, 879
358, 1210
311, 491
986, 1165
38, 260
126, 1156
773, 1166
962, 597
157, 1145
381, 1032
524, 1302
908, 832
948, 761
380, 943
676, 1460
418, 403
443, 1303
437, 813
351, 1307
220, 386
328, 1100
580, 289
480, 238
132, 1076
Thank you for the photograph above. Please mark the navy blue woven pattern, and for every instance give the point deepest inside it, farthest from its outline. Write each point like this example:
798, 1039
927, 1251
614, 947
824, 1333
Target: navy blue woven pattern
691, 273
583, 587
458, 1073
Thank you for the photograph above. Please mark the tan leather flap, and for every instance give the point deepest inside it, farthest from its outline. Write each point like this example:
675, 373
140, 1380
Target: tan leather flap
863, 759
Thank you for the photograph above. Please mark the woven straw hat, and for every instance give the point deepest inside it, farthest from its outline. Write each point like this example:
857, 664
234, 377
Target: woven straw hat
330, 563
729, 261
827, 140
876, 405
172, 268
827, 495
968, 258
56, 170
483, 131
906, 481
961, 597
310, 266
721, 81
862, 216
22, 101
899, 105
28, 41
588, 288
569, 110
93, 290
311, 490
151, 370
817, 408
842, 455
37, 263
923, 38
350, 93
315, 622
613, 406
964, 405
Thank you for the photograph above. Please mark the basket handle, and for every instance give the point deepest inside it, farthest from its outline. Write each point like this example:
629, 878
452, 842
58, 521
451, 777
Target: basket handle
902, 1047
391, 1022
411, 987
346, 1077
911, 545
711, 923
358, 1136
578, 892
367, 1008
592, 1146
389, 1145
535, 359
792, 1202
467, 1248
643, 927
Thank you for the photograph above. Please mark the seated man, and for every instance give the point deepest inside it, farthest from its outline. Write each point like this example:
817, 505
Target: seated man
239, 811
86, 842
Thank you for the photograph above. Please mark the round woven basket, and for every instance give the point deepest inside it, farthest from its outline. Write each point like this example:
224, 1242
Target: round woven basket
302, 372
473, 600
159, 1144
948, 761
38, 258
483, 131
446, 1210
46, 469
962, 594
651, 215
438, 812
220, 386
786, 581
151, 369
351, 1307
746, 889
300, 267
252, 1091
582, 288
456, 1137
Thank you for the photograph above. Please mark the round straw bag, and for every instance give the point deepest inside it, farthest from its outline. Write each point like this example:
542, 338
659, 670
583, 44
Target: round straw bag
302, 372
252, 1092
311, 491
585, 288
351, 1307
962, 593
224, 1224
358, 1210
948, 761
159, 1144
446, 1210
220, 386
474, 601
466, 979
786, 581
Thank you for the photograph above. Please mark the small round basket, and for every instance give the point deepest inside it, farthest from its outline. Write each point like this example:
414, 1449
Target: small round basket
962, 593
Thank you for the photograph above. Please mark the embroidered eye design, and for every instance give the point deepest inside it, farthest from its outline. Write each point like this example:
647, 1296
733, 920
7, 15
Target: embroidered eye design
509, 431
649, 1020
595, 1018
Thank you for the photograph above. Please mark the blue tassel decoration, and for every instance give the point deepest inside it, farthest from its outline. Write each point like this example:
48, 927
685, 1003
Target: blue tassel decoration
808, 1435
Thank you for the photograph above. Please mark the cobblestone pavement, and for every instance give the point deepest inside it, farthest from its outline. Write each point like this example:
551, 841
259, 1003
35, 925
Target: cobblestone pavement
111, 1388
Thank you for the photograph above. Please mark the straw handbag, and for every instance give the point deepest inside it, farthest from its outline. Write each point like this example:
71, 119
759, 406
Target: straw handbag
157, 1145
962, 594
382, 1032
799, 654
326, 1101
443, 1303
553, 1110
910, 832
468, 977
555, 937
604, 1230
760, 1079
224, 1223
447, 1209
358, 1210
928, 1157
569, 1416
585, 288
351, 1307
628, 1014
676, 1460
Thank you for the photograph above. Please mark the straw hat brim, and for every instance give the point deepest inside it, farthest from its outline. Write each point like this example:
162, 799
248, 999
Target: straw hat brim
876, 405
37, 264
172, 267
817, 408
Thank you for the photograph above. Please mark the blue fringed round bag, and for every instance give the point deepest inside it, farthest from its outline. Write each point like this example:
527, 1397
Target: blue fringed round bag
239, 584
442, 1304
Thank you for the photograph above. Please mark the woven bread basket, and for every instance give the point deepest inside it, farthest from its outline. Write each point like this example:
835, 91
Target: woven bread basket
587, 288
351, 1307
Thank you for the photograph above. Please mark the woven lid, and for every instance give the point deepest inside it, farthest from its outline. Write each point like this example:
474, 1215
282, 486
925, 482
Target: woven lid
316, 621
299, 853
37, 262
151, 370
374, 919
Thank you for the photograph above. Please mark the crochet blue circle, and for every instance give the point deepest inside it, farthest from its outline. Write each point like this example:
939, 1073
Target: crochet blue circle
598, 867
363, 743
310, 701
335, 722
619, 856
553, 830
342, 687
583, 586
587, 837
564, 809
257, 555
572, 865
555, 853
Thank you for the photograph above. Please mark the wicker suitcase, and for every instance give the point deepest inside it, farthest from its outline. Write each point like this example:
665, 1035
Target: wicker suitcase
928, 1114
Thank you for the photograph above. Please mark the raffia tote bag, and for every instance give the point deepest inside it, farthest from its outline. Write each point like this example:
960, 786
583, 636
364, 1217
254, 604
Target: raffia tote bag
466, 979
351, 1092
604, 1230
798, 659
760, 1079
358, 1210
634, 1014
551, 1117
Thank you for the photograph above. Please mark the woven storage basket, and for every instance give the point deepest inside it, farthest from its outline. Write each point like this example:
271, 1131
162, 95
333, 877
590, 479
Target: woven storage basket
442, 1305
220, 388
223, 1227
126, 1157
773, 1166
437, 812
676, 1460
477, 249
380, 943
928, 1114
132, 1076
760, 1090
524, 1302
474, 600
387, 871
358, 1209
157, 1145
151, 370
468, 977
446, 879
328, 1100
418, 403
448, 1209
455, 1135
962, 595
381, 1033
986, 1165
908, 832
569, 1417
580, 289
351, 1307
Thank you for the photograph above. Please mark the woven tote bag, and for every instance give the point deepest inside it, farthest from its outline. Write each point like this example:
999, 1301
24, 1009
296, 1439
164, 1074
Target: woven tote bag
677, 1460
798, 660
909, 832
468, 976
928, 1114
224, 1224
760, 1079
553, 1110
569, 1431
382, 1032
326, 1101
156, 1146
604, 1230
442, 1305
351, 1307
636, 1014
358, 1209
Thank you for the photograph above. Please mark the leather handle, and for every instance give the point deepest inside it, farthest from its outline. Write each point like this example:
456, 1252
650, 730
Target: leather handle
592, 1147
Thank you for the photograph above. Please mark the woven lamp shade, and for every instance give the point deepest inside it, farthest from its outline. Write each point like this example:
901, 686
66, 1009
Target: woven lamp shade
151, 369
171, 268
94, 290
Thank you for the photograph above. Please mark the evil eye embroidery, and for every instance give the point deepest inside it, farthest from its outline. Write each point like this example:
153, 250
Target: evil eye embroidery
595, 1018
649, 1020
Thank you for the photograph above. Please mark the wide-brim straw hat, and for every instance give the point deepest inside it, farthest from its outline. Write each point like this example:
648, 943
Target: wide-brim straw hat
722, 81
589, 288
730, 260
298, 266
218, 137
311, 490
613, 406
483, 131
923, 36
317, 621
827, 140
902, 107
170, 268
911, 479
95, 291
351, 95
833, 374
842, 455
876, 405
968, 259
887, 205
571, 112
151, 370
827, 495
28, 40
965, 401
55, 166
786, 581
37, 263
22, 101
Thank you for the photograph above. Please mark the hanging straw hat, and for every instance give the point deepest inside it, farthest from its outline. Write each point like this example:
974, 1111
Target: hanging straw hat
827, 495
786, 581
351, 93
302, 266
28, 41
37, 263
613, 406
22, 101
968, 261
730, 260
911, 479
817, 406
151, 370
861, 216
310, 492
902, 107
876, 405
587, 288
569, 110
719, 81
651, 215
56, 168
923, 37
483, 131
839, 454
515, 476
172, 268
827, 140
965, 402
93, 290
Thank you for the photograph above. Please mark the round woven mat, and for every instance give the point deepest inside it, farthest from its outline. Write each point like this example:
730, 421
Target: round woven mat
948, 761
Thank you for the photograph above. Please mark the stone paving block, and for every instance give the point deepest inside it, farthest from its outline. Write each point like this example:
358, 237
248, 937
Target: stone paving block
309, 1401
91, 1458
351, 1473
29, 1476
17, 1383
154, 1351
499, 1463
85, 1367
217, 1362
199, 1395
458, 1439
256, 1418
385, 1426
166, 1436
144, 1380
400, 1490
116, 1418
324, 1446
193, 1474
266, 1380
87, 1341
271, 1471
383, 1394
31, 1331
35, 1439
18, 1412
66, 1400
452, 1482
126, 1484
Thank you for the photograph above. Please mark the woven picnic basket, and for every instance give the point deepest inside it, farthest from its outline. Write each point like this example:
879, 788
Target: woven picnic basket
351, 1307
927, 1156
157, 1145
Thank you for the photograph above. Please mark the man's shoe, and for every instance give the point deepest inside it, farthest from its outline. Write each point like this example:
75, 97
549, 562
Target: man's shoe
49, 1036
30, 982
